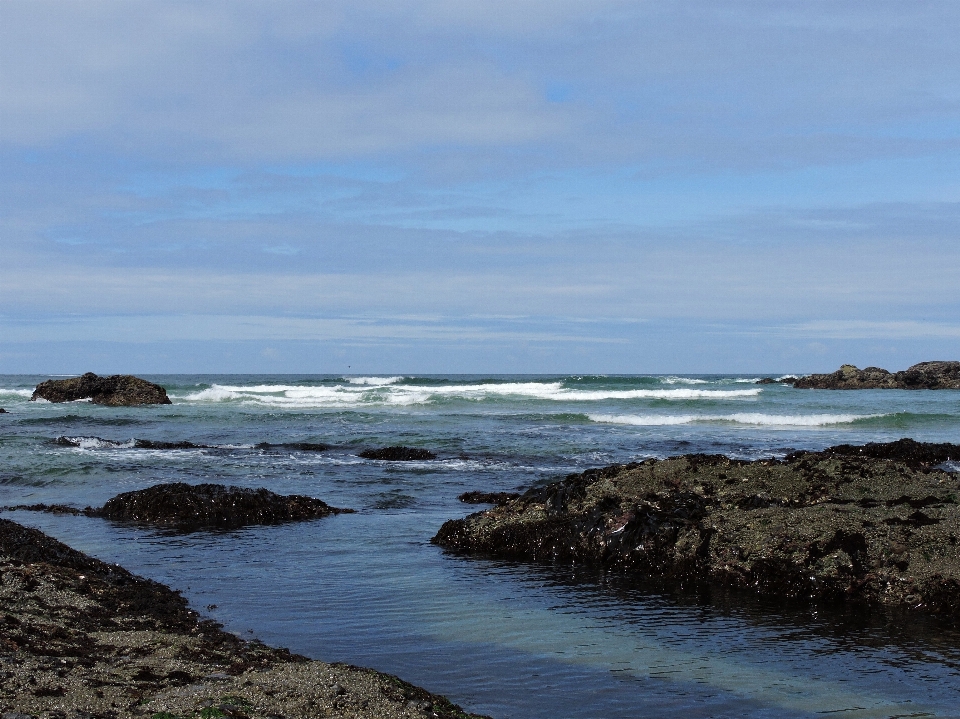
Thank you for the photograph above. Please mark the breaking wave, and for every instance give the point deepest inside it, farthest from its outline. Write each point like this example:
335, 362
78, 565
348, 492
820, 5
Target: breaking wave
392, 393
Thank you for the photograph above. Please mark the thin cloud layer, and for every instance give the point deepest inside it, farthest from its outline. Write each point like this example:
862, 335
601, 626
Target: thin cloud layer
779, 171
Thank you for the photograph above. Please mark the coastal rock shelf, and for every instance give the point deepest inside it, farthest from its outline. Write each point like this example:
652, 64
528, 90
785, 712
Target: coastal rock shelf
190, 507
878, 524
117, 390
925, 375
90, 637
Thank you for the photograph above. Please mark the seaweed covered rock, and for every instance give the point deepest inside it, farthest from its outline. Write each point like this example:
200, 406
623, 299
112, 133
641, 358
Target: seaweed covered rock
116, 390
198, 506
925, 375
487, 497
398, 454
880, 526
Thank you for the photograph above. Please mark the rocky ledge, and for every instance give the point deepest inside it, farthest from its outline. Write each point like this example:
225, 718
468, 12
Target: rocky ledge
191, 507
878, 524
119, 390
925, 375
82, 638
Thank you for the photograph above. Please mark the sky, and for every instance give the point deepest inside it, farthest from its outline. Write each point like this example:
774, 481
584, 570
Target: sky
498, 186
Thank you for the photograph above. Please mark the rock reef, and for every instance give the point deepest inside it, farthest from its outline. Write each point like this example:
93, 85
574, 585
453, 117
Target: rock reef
398, 454
95, 640
191, 507
117, 390
878, 524
925, 375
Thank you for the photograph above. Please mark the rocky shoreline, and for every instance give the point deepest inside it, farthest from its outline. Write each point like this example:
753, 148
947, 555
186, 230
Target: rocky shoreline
82, 638
877, 524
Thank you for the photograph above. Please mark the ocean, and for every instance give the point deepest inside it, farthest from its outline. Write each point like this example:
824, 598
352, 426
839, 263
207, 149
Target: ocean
500, 638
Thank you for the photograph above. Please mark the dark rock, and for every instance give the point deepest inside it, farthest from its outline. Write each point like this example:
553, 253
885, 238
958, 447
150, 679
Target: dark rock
780, 380
2, 410
115, 391
298, 446
155, 444
189, 507
487, 497
879, 526
916, 454
925, 375
398, 454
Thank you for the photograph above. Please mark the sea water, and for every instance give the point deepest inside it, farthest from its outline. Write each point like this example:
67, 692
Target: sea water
501, 638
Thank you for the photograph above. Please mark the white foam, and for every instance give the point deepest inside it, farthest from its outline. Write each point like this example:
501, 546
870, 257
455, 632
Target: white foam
683, 380
394, 393
378, 381
98, 443
10, 392
755, 418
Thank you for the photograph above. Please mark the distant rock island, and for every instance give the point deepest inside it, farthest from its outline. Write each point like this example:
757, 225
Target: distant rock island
119, 390
925, 375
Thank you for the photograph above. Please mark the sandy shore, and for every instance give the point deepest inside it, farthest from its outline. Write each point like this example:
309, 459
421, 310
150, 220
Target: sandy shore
81, 638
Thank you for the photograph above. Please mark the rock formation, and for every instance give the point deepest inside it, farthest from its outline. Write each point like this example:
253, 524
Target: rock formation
191, 507
118, 390
925, 375
398, 454
877, 524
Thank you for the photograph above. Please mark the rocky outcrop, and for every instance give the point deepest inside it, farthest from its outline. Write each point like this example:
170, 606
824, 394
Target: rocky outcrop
398, 454
925, 375
94, 639
117, 390
191, 507
880, 526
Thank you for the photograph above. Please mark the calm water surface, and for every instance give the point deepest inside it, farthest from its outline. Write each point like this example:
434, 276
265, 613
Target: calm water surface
499, 638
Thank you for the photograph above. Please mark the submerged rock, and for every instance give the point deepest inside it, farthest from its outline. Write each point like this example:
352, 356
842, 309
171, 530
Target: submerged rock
190, 507
925, 375
879, 526
116, 390
398, 454
487, 497
2, 410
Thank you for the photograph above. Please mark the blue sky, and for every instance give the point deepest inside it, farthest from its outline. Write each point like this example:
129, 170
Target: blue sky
478, 186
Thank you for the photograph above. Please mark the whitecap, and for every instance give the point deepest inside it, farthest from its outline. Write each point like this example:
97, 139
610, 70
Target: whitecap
378, 381
9, 391
96, 443
358, 395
